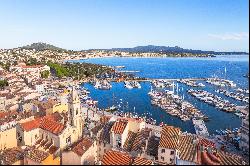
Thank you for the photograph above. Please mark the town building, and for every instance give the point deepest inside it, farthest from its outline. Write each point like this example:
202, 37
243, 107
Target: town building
244, 139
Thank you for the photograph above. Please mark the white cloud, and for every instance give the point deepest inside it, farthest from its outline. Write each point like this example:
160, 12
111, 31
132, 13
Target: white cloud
231, 36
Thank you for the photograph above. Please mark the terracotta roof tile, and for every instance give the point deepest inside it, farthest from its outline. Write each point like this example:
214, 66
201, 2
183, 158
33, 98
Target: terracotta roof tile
52, 126
47, 123
119, 126
140, 139
141, 161
187, 148
129, 141
169, 137
37, 155
116, 158
82, 146
10, 156
227, 159
30, 125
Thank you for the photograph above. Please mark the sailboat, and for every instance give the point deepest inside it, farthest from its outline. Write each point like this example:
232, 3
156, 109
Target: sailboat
113, 108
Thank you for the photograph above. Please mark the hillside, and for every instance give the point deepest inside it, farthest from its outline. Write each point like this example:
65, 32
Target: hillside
167, 49
42, 46
164, 49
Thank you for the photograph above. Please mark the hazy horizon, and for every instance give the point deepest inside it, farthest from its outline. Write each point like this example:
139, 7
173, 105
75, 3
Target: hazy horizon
210, 25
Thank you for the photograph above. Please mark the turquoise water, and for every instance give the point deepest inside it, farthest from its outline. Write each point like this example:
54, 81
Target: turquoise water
236, 67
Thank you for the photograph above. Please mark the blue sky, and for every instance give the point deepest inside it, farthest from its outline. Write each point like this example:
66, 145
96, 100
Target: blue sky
220, 25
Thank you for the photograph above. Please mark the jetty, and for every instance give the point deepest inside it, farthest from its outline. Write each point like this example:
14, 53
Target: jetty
200, 128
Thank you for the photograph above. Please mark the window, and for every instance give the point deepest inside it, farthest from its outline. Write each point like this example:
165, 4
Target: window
163, 151
70, 111
76, 111
68, 140
162, 158
172, 152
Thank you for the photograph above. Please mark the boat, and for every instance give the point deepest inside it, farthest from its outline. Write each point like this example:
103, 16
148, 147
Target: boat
112, 109
103, 85
128, 85
137, 84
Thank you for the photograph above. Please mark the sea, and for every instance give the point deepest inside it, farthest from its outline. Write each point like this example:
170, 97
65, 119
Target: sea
232, 67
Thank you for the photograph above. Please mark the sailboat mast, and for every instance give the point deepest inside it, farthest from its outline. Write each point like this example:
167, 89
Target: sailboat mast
225, 72
177, 89
173, 87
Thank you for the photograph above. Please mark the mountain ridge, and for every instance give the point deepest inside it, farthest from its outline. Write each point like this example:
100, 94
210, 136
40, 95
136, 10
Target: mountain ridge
40, 46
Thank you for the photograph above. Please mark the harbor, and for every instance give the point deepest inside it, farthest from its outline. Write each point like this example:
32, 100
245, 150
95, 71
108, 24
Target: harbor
161, 81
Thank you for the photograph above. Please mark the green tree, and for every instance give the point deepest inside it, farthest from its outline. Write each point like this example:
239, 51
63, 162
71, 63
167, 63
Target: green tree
45, 74
32, 61
3, 83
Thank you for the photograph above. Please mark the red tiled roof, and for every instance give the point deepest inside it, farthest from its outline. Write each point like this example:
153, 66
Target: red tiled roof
206, 142
51, 126
34, 66
3, 114
187, 148
227, 159
47, 123
140, 139
119, 126
116, 158
169, 137
105, 119
141, 161
10, 156
30, 125
82, 146
37, 155
129, 141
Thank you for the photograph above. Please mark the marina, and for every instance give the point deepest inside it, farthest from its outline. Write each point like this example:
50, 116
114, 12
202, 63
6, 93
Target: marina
168, 70
240, 96
175, 105
213, 100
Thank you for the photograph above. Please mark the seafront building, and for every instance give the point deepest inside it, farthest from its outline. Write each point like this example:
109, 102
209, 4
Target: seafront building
244, 141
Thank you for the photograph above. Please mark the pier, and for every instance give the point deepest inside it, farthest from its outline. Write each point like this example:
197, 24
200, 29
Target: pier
200, 128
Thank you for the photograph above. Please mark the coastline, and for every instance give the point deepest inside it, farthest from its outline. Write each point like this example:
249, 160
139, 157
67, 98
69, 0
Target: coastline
149, 57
